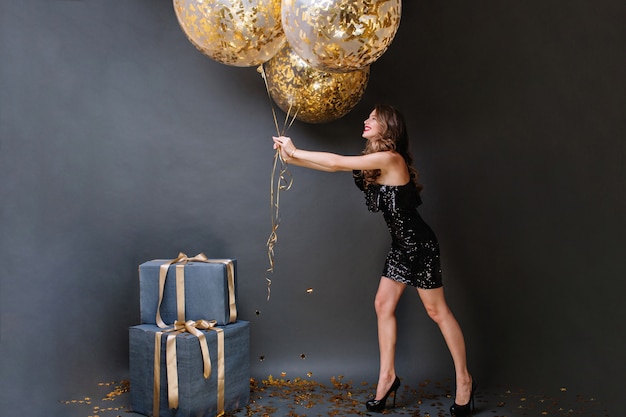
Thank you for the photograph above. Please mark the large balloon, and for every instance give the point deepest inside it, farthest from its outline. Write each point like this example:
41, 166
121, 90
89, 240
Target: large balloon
316, 96
340, 35
241, 33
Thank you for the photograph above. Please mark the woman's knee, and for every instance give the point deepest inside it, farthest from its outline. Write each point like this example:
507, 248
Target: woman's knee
387, 297
435, 304
380, 304
384, 305
437, 312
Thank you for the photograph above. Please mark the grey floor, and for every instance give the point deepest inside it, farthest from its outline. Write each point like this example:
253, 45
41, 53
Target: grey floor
339, 397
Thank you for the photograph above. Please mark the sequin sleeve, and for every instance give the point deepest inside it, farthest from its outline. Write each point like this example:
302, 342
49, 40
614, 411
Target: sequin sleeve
372, 197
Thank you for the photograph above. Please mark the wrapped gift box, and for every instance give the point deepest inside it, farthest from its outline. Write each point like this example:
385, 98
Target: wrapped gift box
206, 292
197, 395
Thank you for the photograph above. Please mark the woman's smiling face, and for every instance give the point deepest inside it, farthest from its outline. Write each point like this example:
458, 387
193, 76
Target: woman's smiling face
372, 129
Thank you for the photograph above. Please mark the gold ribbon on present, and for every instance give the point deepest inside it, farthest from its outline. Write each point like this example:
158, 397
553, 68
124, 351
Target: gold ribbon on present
192, 327
181, 260
181, 326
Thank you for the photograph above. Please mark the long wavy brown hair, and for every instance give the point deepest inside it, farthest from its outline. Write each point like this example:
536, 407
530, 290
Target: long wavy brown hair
394, 138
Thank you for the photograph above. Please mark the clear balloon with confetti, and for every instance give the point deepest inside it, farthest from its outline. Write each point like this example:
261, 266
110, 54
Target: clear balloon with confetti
340, 35
240, 33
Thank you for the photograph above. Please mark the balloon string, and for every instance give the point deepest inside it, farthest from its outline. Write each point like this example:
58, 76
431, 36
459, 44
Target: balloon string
278, 182
261, 70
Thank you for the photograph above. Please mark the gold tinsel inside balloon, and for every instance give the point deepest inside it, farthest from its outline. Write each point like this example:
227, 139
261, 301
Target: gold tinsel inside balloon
315, 96
241, 33
340, 35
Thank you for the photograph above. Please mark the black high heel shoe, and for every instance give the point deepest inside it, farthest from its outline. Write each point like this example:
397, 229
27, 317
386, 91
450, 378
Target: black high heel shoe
464, 410
379, 405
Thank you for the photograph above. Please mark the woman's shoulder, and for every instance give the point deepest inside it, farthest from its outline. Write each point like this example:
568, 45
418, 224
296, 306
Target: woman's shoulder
395, 172
398, 160
390, 155
394, 155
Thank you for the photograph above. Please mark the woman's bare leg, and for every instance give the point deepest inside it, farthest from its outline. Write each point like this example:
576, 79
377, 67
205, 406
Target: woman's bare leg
387, 298
437, 308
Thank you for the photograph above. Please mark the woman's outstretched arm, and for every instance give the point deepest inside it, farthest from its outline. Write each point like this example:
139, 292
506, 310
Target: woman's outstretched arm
332, 162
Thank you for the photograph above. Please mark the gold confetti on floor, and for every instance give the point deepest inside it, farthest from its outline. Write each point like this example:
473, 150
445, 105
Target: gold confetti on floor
305, 397
98, 409
299, 397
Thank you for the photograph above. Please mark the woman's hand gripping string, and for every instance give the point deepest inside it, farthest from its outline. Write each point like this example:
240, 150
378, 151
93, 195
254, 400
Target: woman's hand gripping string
285, 146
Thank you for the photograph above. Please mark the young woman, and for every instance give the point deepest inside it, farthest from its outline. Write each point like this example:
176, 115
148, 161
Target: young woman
384, 172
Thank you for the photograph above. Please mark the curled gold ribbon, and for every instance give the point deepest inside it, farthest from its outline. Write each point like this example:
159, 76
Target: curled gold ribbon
190, 326
278, 183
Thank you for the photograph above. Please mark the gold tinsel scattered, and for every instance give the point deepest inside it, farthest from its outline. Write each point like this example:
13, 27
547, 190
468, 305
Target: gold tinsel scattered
300, 397
119, 388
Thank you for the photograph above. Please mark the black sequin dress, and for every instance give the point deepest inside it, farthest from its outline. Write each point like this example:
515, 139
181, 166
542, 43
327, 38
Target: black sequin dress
414, 255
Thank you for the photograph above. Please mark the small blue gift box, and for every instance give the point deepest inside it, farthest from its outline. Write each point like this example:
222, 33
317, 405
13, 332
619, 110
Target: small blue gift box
197, 396
209, 291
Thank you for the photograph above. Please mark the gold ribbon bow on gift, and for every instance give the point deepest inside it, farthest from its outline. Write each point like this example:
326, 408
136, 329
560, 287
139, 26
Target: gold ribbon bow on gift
181, 260
192, 327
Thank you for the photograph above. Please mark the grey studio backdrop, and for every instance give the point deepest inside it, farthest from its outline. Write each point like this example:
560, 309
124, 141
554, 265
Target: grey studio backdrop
120, 143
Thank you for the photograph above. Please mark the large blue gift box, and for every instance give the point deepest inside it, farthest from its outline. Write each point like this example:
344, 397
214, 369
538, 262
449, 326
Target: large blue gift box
208, 291
198, 397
